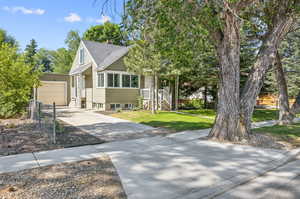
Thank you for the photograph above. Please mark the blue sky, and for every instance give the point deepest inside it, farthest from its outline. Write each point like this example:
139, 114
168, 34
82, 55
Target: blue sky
49, 21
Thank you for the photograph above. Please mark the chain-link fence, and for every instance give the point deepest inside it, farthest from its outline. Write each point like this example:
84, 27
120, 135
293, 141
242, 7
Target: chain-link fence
44, 118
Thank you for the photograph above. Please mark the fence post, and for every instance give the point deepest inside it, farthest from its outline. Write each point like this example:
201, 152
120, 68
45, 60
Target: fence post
54, 123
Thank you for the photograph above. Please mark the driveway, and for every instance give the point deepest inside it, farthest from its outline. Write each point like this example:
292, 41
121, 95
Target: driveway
176, 166
102, 126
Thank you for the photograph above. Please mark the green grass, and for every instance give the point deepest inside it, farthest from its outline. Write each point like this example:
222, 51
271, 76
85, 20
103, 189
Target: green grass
198, 119
258, 115
174, 121
288, 133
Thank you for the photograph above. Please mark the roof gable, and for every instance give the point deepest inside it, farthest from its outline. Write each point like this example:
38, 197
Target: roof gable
104, 54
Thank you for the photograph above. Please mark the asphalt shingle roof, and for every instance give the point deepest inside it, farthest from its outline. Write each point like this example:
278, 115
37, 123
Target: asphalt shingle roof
104, 54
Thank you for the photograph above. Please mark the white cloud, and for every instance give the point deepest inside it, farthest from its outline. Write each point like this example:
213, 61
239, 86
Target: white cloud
73, 17
24, 10
102, 20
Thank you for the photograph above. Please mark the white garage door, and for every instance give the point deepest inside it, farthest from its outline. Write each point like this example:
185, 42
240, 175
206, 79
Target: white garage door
51, 91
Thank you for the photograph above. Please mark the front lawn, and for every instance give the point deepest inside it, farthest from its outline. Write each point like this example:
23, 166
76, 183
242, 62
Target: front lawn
258, 115
171, 120
289, 133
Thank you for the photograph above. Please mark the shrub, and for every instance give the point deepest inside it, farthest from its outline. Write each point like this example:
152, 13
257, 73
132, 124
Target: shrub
16, 81
192, 104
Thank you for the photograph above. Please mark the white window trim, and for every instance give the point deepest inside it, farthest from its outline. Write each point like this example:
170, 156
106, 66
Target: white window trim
97, 79
130, 81
120, 79
115, 106
106, 72
130, 107
81, 50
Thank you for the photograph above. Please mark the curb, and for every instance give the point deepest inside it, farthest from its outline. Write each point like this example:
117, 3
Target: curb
290, 155
234, 182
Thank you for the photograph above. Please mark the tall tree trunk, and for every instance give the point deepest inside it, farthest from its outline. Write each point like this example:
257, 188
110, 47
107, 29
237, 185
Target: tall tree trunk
153, 95
265, 59
227, 121
285, 116
296, 106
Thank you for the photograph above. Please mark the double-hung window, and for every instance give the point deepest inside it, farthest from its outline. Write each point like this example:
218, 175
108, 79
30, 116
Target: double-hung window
100, 80
130, 81
81, 56
113, 80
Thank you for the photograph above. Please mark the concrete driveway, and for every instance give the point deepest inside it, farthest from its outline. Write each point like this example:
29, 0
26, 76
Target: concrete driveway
176, 166
103, 126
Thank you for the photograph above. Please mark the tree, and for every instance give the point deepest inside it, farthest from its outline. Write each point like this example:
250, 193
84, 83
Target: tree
30, 51
16, 81
142, 59
221, 23
43, 59
287, 65
108, 32
73, 40
62, 61
278, 19
5, 38
285, 115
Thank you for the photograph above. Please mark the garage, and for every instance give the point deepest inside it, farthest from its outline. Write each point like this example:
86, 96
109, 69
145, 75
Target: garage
53, 91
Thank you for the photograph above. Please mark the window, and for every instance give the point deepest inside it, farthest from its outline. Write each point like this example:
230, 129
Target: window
98, 105
115, 106
81, 56
73, 81
130, 81
113, 80
128, 106
126, 81
134, 81
100, 80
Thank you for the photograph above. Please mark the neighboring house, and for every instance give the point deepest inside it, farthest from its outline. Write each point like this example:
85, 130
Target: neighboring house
99, 78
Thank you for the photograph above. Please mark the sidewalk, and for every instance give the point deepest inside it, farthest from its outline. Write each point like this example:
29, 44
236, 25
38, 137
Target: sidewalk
175, 166
29, 160
281, 183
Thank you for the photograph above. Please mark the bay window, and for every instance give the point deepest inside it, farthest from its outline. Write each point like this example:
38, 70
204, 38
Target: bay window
130, 81
113, 80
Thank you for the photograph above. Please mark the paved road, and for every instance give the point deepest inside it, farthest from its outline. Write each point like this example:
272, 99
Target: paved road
282, 183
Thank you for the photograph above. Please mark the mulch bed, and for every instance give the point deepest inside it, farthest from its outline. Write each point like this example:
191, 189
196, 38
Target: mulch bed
95, 178
23, 136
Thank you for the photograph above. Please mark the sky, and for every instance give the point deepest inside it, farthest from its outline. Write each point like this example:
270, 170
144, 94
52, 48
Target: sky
49, 21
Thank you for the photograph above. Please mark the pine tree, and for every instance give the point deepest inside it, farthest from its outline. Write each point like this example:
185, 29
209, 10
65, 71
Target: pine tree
30, 51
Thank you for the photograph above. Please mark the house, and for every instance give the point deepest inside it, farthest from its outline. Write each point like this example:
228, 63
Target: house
100, 80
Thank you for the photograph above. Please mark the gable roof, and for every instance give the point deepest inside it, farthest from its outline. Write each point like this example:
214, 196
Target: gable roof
104, 54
